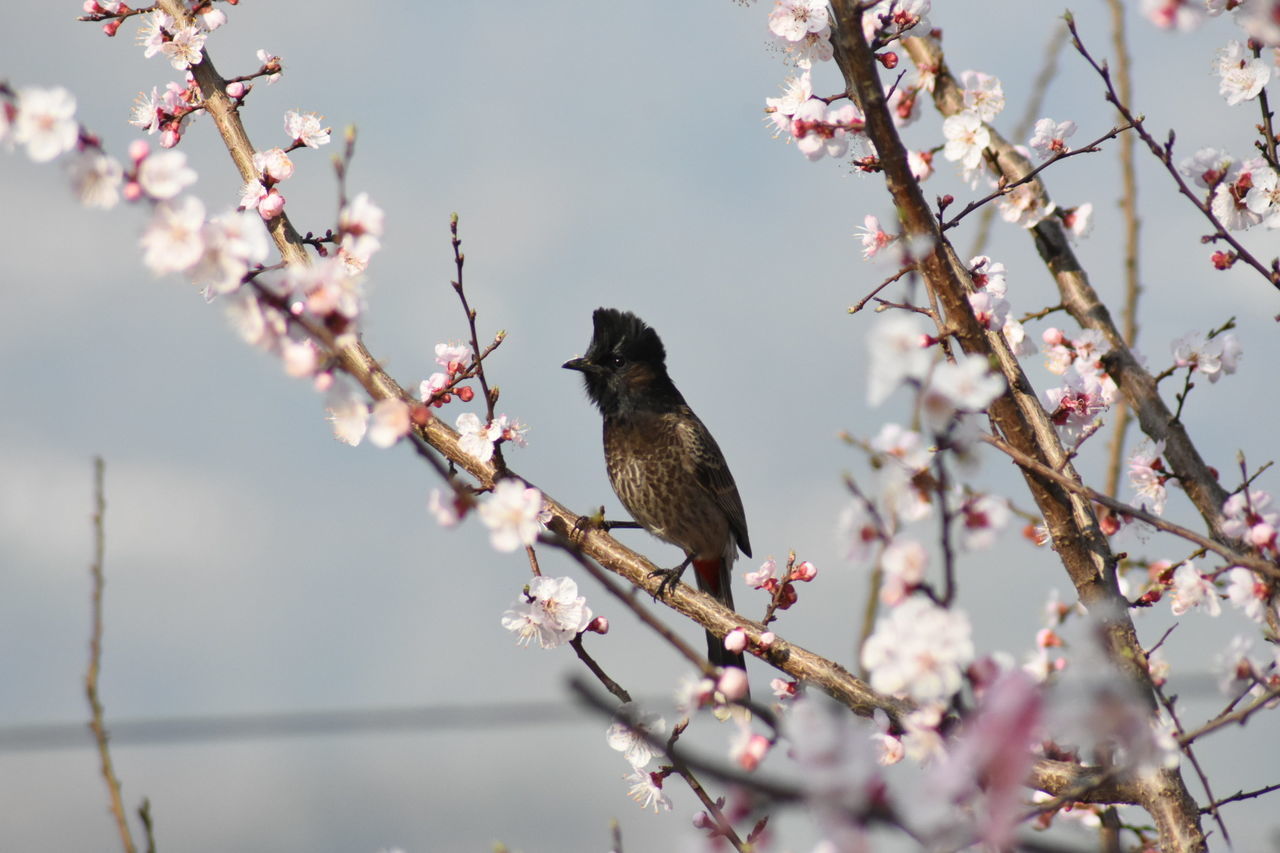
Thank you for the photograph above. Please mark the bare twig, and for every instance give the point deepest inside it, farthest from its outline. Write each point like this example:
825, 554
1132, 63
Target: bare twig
1129, 210
1164, 153
96, 717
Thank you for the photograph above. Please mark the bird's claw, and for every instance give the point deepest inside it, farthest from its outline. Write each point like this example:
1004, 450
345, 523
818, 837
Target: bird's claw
670, 577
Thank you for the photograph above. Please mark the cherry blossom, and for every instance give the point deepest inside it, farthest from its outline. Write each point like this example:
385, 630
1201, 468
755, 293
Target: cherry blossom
1207, 166
1241, 75
897, 351
46, 122
983, 518
1214, 357
820, 129
794, 19
1074, 406
967, 385
904, 105
185, 47
1192, 589
1169, 14
988, 275
991, 311
360, 223
389, 422
550, 611
273, 163
921, 164
1229, 202
796, 92
1078, 221
1263, 198
859, 530
1050, 137
890, 19
646, 789
474, 437
96, 178
629, 738
514, 515
967, 137
271, 63
1024, 206
904, 562
905, 446
165, 174
232, 242
453, 357
348, 413
305, 128
873, 237
983, 95
1147, 475
173, 241
1246, 516
919, 650
1260, 19
327, 289
1247, 591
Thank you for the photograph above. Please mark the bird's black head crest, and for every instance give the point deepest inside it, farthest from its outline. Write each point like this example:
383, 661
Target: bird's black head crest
621, 333
625, 366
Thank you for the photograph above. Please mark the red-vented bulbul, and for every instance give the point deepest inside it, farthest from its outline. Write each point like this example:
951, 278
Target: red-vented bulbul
663, 463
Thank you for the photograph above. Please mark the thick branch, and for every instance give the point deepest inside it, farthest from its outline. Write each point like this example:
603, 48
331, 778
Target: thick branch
1084, 550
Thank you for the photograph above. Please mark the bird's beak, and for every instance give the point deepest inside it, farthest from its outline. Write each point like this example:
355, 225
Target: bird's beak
578, 364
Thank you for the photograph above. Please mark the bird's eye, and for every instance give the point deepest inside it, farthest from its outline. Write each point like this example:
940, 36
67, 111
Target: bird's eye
615, 360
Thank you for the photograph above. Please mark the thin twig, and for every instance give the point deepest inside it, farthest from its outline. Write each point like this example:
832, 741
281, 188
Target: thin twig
609, 684
1049, 70
1232, 556
1169, 706
1164, 153
854, 309
96, 716
1006, 188
1129, 210
1239, 716
1242, 795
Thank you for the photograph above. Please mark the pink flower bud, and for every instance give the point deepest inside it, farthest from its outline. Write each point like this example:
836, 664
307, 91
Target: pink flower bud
599, 625
169, 137
783, 689
138, 150
271, 206
732, 683
237, 90
132, 191
323, 381
757, 749
804, 572
766, 639
110, 28
735, 640
1053, 336
91, 7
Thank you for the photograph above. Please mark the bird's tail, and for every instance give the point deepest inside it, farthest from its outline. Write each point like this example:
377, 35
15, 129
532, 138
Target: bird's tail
713, 579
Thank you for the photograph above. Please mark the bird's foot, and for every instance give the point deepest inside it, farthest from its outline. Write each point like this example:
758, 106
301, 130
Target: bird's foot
670, 577
597, 521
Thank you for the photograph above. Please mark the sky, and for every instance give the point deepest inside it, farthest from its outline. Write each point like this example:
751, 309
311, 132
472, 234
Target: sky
597, 155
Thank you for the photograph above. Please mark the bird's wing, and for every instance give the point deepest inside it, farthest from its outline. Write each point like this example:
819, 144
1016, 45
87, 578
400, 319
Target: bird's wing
712, 473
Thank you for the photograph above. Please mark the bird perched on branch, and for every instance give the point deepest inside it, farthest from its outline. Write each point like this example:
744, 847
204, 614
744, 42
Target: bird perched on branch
663, 463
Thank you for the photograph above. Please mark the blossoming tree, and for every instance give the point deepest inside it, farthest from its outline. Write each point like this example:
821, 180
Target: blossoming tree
996, 743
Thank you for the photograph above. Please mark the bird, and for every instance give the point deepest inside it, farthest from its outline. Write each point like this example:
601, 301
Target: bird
663, 463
